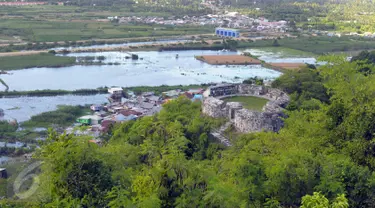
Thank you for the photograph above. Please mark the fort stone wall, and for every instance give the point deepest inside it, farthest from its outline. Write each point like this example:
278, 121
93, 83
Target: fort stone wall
244, 120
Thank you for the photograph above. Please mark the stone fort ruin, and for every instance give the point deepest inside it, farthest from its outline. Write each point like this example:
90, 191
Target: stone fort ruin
244, 120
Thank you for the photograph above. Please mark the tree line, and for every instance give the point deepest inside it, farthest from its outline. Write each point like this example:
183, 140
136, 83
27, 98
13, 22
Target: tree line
323, 157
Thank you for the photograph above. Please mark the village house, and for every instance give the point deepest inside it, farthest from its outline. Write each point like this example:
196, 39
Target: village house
130, 112
90, 120
96, 107
172, 93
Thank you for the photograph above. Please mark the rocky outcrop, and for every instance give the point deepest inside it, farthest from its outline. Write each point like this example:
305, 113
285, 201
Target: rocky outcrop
244, 120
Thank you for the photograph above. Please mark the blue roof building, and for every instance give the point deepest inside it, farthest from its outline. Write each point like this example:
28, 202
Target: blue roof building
197, 97
227, 32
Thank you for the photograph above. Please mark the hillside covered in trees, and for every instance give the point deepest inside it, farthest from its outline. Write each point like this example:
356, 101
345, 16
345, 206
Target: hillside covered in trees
323, 157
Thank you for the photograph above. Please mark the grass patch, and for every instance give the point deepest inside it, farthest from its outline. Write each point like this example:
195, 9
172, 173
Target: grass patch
63, 116
62, 30
248, 102
315, 45
38, 60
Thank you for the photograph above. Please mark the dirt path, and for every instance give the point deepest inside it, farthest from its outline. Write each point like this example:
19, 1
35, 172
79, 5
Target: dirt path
22, 53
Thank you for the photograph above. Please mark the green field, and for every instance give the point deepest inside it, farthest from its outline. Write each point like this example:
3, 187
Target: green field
72, 23
317, 45
52, 31
248, 102
30, 61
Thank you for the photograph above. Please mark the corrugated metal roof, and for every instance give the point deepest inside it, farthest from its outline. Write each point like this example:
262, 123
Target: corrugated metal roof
222, 28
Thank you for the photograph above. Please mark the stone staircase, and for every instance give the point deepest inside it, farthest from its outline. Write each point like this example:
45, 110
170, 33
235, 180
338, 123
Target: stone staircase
219, 134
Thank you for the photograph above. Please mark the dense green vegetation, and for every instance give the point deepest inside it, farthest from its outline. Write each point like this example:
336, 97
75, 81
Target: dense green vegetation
38, 60
317, 45
6, 129
63, 116
342, 15
249, 102
322, 157
306, 45
309, 46
253, 80
59, 30
305, 88
84, 10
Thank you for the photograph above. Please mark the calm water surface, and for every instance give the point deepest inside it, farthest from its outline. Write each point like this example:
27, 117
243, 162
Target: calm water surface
156, 68
22, 108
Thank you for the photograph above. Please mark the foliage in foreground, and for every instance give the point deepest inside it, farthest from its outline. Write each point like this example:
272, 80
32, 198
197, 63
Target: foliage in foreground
323, 157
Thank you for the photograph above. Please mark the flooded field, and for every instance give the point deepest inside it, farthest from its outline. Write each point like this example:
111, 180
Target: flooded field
155, 68
280, 54
22, 108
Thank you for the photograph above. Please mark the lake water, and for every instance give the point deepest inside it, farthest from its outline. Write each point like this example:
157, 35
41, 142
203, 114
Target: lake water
22, 108
156, 68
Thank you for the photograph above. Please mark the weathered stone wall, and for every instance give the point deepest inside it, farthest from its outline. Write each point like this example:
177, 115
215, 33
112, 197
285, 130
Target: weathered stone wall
253, 121
244, 120
214, 107
251, 89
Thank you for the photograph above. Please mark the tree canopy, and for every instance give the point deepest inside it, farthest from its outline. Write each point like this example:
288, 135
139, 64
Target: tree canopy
323, 157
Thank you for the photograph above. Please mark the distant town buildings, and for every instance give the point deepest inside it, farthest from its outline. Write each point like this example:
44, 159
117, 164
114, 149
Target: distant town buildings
224, 20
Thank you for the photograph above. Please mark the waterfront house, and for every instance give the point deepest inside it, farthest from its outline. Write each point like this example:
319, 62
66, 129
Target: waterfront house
116, 93
153, 99
148, 106
95, 119
119, 118
90, 120
84, 120
197, 97
96, 107
106, 125
188, 95
130, 112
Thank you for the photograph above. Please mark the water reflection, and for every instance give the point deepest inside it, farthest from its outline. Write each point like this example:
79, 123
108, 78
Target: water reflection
156, 68
22, 108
